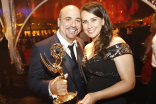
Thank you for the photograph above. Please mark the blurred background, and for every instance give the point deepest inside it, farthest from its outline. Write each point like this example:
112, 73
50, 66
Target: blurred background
132, 18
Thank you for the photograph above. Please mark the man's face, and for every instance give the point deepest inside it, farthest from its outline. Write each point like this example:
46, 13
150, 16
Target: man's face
69, 23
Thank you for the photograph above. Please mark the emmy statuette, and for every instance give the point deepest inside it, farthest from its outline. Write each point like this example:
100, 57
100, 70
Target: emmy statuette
58, 52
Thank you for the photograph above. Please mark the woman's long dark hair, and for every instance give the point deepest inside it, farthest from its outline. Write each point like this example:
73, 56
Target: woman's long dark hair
106, 31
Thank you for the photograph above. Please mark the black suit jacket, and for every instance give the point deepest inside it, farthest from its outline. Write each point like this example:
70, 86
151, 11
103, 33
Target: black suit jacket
39, 76
4, 55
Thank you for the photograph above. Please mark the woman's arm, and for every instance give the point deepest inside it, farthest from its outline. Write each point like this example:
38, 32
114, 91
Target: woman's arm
125, 67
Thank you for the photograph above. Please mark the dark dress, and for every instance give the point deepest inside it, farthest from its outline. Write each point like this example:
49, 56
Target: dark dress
102, 73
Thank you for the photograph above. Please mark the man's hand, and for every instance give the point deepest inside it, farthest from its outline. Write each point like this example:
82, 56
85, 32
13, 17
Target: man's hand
59, 86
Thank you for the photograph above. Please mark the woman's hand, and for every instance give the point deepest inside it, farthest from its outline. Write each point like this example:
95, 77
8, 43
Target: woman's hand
88, 99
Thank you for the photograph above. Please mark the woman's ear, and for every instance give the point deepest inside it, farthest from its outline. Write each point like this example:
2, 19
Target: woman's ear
103, 22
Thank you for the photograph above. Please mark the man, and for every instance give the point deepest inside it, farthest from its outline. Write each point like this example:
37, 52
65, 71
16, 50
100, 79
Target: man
152, 80
44, 82
5, 62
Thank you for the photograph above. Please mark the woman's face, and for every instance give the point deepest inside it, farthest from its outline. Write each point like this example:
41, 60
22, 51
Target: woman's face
91, 24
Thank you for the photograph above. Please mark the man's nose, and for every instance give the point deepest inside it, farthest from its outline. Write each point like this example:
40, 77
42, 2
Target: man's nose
73, 24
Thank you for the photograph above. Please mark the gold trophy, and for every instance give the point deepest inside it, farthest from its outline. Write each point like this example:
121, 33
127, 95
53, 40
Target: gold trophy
57, 51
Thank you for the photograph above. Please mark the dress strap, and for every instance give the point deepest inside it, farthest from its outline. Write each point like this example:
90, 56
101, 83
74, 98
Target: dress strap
118, 50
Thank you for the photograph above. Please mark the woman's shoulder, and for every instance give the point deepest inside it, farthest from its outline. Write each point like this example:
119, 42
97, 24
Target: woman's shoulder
118, 43
118, 47
87, 46
116, 40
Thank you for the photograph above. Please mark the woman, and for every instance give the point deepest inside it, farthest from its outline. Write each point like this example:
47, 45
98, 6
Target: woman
108, 61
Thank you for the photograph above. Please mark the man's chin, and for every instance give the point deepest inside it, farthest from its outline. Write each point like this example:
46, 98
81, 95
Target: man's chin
71, 37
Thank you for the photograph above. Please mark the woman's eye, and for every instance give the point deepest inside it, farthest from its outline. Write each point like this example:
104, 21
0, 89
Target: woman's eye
83, 22
93, 19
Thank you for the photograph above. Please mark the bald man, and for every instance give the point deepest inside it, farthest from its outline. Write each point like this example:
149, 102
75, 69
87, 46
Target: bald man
45, 82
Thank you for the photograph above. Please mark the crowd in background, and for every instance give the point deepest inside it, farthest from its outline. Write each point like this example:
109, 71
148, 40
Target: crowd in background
26, 41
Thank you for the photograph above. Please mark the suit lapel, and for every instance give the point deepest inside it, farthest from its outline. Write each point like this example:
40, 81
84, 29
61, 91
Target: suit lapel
55, 38
79, 51
66, 63
79, 58
69, 68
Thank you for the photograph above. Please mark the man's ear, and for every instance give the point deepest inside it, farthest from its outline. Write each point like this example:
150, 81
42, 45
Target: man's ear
58, 22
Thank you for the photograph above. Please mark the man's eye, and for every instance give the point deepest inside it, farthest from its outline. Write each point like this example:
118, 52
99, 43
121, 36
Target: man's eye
78, 20
67, 19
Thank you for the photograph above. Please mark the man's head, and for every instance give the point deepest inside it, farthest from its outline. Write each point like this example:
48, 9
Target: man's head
69, 22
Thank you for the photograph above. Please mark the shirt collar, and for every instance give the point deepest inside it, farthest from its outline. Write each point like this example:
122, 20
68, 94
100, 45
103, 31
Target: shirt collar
63, 41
